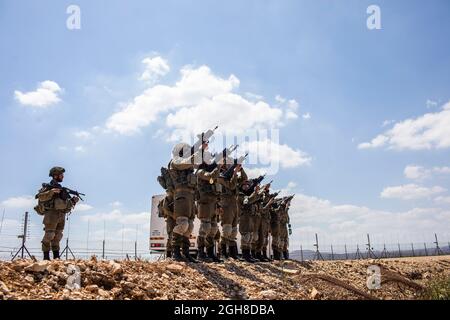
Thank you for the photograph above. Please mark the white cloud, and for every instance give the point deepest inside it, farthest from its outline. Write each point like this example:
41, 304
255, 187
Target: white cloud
387, 123
410, 192
80, 149
45, 95
270, 152
306, 116
81, 207
430, 131
116, 204
83, 134
21, 202
336, 223
419, 173
155, 68
118, 216
431, 104
194, 87
442, 199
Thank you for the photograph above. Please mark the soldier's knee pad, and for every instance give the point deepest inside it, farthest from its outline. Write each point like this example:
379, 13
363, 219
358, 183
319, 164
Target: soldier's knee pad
234, 232
205, 228
49, 235
213, 230
246, 237
58, 236
191, 226
227, 230
182, 225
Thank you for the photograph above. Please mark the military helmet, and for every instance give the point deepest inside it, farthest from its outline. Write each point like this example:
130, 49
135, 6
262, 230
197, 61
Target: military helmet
178, 150
56, 171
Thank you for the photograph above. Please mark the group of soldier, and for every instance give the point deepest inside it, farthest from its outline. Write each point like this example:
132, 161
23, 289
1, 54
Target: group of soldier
213, 188
217, 190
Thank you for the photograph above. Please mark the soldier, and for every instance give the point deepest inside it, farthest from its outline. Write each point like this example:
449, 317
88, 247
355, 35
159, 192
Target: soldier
261, 246
165, 207
229, 208
53, 203
284, 232
181, 171
208, 192
275, 228
248, 196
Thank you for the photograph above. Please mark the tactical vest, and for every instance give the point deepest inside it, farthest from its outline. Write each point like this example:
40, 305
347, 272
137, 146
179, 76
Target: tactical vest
54, 204
206, 187
183, 178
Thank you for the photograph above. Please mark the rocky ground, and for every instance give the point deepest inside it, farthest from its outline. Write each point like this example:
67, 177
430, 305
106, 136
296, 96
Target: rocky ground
404, 278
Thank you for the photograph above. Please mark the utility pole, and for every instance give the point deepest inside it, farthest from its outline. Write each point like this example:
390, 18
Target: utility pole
1, 223
317, 255
384, 253
135, 244
23, 236
358, 254
438, 250
370, 253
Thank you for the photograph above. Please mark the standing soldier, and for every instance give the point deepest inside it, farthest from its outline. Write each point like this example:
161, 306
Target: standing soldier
284, 230
263, 237
275, 228
53, 203
248, 196
229, 205
165, 207
181, 171
208, 192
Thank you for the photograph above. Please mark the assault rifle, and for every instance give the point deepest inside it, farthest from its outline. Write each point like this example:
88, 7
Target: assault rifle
65, 192
228, 174
203, 138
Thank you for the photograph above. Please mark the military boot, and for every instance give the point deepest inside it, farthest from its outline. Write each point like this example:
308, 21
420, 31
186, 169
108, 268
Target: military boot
212, 256
185, 250
234, 253
201, 255
46, 255
247, 256
276, 255
286, 255
265, 257
55, 254
259, 256
176, 254
254, 255
223, 251
262, 257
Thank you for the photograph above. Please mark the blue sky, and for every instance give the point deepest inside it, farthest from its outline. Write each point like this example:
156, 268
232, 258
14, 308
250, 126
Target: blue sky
340, 80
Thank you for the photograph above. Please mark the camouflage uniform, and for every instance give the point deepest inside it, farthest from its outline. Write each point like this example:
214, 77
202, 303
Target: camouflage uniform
263, 237
54, 207
284, 234
247, 211
166, 208
275, 230
229, 219
181, 170
206, 206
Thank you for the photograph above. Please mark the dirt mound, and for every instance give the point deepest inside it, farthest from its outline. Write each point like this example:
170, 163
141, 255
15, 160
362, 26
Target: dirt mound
401, 279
